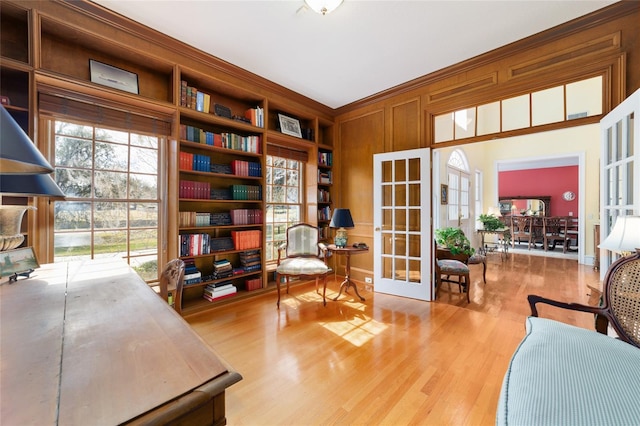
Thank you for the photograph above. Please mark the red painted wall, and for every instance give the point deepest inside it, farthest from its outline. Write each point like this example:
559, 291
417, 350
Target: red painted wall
552, 181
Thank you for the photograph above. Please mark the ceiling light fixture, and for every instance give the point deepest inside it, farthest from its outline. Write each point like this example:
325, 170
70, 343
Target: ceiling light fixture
323, 6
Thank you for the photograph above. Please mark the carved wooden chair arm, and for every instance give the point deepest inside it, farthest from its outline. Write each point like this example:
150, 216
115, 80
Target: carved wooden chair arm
323, 251
602, 315
281, 248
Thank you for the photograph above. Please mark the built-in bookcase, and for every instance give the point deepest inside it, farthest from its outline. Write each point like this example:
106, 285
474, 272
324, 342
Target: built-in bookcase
222, 119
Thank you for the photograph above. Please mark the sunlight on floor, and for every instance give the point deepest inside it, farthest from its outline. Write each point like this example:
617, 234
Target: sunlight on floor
358, 329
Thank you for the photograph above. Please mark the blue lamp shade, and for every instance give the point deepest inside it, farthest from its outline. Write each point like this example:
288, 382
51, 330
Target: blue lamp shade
30, 186
341, 219
18, 155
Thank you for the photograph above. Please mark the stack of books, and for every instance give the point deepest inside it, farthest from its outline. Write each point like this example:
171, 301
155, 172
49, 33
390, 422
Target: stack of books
250, 261
219, 290
222, 269
191, 274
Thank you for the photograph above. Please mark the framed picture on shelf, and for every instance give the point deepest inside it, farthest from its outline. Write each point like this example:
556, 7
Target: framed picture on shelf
117, 78
289, 126
17, 261
444, 194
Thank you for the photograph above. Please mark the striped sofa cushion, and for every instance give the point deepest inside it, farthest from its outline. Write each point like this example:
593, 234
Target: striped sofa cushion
565, 375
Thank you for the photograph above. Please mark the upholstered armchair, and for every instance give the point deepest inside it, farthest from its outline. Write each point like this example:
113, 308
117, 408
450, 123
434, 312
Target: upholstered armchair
302, 256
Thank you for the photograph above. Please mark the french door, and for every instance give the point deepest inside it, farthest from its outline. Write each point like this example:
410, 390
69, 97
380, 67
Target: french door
458, 201
402, 234
620, 168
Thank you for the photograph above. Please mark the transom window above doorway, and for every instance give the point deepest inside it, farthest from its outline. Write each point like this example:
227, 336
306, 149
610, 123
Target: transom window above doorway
553, 105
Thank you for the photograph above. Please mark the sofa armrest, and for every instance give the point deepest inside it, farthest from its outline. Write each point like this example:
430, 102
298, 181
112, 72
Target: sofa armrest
602, 316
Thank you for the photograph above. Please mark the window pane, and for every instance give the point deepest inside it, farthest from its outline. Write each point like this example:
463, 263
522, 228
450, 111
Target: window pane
72, 215
112, 136
72, 152
112, 157
515, 113
110, 185
547, 106
110, 215
74, 183
143, 187
144, 160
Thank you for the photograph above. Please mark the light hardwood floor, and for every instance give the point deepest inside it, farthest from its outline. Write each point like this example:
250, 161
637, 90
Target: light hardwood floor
388, 360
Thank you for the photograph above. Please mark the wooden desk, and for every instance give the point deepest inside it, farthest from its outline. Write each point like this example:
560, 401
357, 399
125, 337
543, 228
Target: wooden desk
90, 343
347, 251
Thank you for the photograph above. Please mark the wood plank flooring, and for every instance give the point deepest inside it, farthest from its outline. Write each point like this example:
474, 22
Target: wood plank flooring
388, 360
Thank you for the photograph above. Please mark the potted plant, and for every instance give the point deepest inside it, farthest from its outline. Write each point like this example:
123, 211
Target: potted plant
490, 222
454, 240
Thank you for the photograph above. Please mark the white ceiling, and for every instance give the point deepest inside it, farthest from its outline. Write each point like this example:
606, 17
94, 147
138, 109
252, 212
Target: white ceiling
362, 48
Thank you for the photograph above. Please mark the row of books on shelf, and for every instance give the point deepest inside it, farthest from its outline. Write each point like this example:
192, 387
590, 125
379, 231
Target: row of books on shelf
194, 98
246, 216
324, 176
245, 240
202, 163
199, 244
325, 158
323, 196
255, 116
250, 143
324, 232
246, 168
203, 191
232, 217
250, 261
324, 213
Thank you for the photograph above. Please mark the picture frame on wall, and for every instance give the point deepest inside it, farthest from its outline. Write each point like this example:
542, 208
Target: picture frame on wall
289, 126
114, 77
444, 194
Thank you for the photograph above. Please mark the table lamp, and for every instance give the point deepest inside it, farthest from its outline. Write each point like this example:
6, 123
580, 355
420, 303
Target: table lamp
341, 219
624, 237
495, 211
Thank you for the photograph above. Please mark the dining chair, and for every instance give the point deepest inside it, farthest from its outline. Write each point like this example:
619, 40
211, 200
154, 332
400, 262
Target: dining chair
302, 256
450, 265
521, 230
555, 230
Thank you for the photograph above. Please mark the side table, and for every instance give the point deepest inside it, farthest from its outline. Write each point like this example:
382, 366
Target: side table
347, 251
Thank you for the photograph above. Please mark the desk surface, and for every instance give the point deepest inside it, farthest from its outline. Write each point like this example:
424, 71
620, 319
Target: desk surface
91, 343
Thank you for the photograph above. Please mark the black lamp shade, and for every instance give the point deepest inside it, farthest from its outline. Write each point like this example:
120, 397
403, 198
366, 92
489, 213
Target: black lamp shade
17, 153
341, 219
30, 185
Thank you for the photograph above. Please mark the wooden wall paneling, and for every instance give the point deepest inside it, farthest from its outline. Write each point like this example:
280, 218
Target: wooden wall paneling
67, 50
14, 32
360, 138
404, 126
